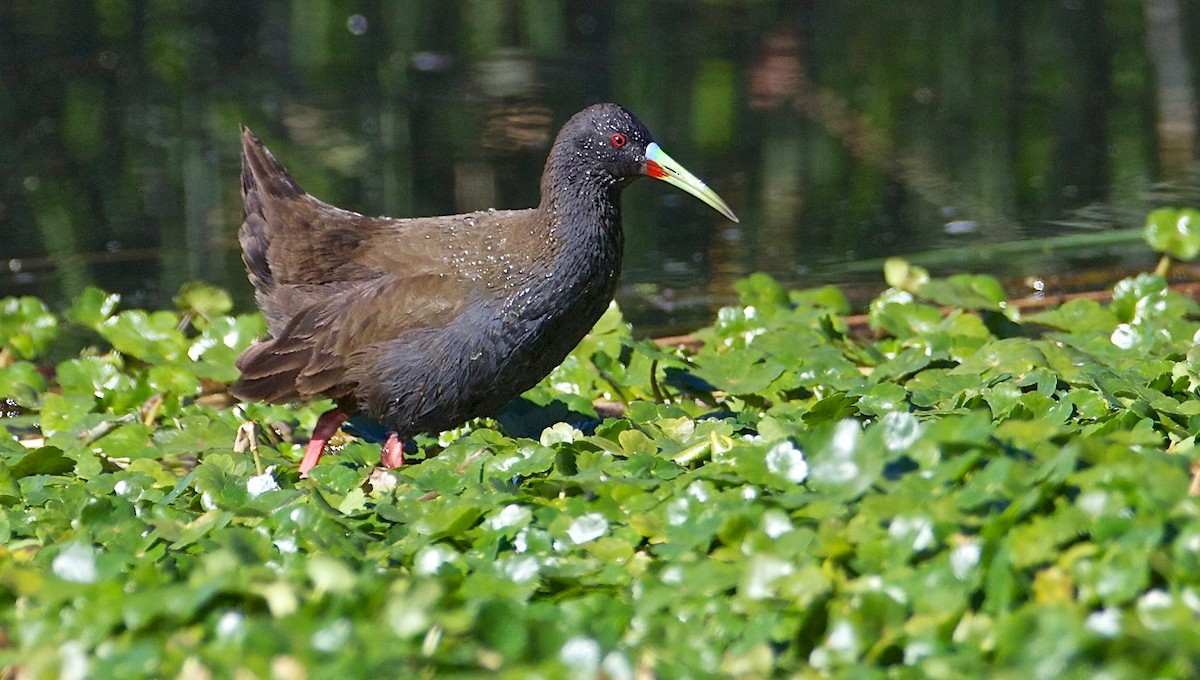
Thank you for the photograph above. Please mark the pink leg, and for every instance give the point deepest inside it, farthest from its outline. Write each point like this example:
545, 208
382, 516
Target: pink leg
392, 455
327, 425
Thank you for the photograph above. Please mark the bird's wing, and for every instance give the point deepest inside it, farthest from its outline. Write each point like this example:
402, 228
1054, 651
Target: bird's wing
289, 237
311, 353
333, 282
389, 279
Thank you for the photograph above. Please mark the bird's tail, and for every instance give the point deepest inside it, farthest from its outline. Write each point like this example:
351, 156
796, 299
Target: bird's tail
265, 186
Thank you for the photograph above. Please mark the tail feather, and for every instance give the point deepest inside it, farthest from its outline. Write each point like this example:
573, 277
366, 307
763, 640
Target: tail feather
298, 363
298, 256
280, 370
265, 183
268, 376
261, 172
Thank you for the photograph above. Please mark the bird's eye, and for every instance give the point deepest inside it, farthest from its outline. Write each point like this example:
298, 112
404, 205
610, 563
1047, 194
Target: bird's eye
618, 140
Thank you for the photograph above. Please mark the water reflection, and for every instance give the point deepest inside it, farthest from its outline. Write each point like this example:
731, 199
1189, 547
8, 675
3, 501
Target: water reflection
1173, 71
838, 137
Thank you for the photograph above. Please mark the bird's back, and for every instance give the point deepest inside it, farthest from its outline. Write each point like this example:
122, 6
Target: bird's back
349, 298
293, 244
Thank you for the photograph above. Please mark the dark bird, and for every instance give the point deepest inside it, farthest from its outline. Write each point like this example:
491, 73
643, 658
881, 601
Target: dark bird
425, 323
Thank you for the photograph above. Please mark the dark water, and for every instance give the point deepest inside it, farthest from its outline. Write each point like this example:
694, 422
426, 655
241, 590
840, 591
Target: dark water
839, 132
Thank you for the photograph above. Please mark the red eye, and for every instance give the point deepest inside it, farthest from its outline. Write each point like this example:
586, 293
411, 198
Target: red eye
618, 140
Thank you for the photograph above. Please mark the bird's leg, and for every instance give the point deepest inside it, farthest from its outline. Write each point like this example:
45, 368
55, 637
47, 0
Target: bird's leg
327, 425
392, 455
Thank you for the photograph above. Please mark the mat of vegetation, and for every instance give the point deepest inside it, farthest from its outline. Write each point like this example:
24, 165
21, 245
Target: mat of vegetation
970, 493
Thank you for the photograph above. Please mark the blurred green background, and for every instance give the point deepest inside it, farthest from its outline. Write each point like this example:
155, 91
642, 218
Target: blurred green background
839, 132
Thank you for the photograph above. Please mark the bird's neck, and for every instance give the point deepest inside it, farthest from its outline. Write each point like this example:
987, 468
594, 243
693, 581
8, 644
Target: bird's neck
583, 214
580, 206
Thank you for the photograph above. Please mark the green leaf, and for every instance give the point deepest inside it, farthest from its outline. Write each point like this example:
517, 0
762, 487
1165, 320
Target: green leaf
172, 380
831, 409
1079, 316
1135, 295
10, 492
203, 300
48, 460
215, 351
26, 327
91, 376
68, 414
896, 312
154, 338
841, 462
92, 307
824, 297
761, 291
883, 398
743, 372
23, 383
902, 275
965, 291
1174, 232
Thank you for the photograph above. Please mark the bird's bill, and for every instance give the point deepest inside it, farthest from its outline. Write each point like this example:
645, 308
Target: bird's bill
661, 166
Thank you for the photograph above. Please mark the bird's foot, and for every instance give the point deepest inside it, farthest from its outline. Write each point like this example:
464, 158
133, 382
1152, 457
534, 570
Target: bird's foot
392, 455
327, 426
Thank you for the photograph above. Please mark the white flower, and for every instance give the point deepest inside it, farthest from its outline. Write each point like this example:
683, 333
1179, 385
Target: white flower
964, 558
229, 624
429, 559
699, 491
672, 575
581, 654
842, 638
920, 528
559, 433
762, 574
1125, 336
900, 430
617, 667
75, 563
776, 523
512, 515
787, 461
333, 637
587, 528
520, 569
260, 484
677, 511
1105, 623
74, 661
1152, 609
917, 650
845, 437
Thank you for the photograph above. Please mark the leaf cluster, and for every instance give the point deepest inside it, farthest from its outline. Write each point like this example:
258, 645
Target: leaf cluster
966, 492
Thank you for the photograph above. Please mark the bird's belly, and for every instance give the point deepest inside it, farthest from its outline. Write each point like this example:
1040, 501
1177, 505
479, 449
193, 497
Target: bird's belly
438, 380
